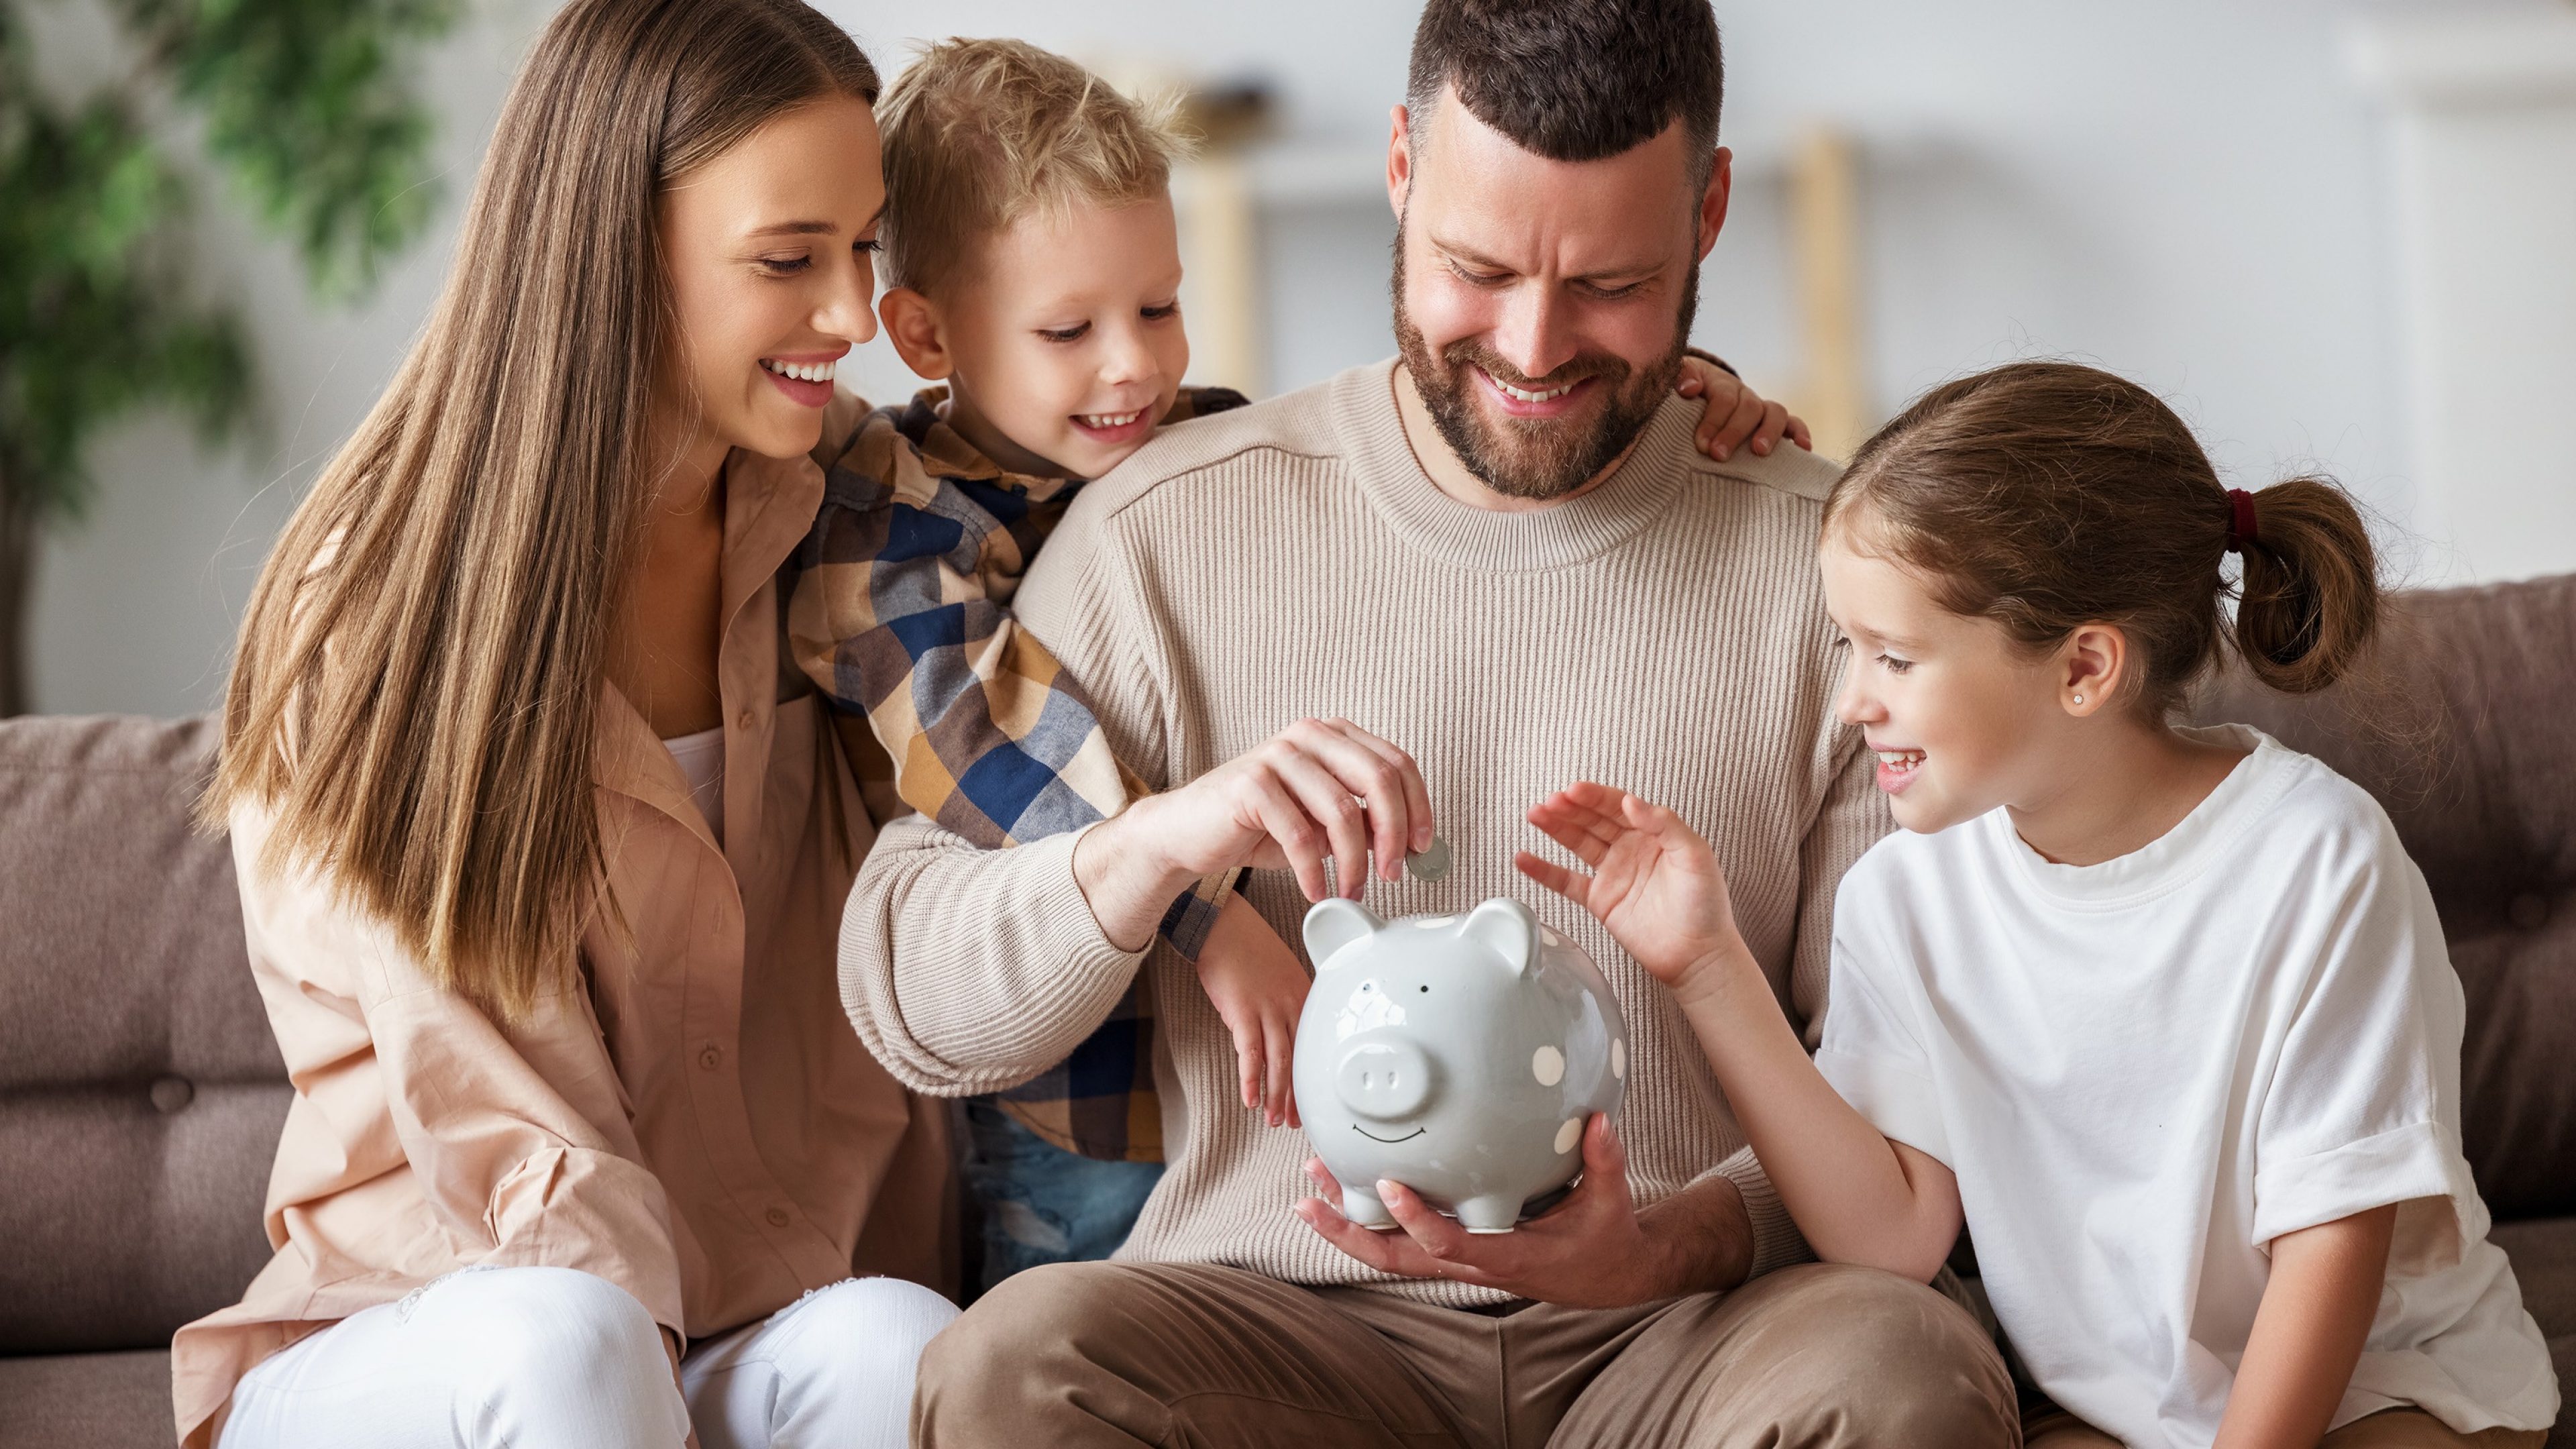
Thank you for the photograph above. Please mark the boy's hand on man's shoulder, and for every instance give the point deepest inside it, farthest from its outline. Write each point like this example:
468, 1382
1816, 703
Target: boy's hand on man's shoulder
1734, 416
1258, 988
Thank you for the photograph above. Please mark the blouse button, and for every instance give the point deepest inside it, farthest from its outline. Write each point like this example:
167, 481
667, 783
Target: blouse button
172, 1094
709, 1056
777, 1217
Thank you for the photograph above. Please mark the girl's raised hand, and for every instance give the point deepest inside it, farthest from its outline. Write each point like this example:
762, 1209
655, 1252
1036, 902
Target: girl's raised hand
1654, 882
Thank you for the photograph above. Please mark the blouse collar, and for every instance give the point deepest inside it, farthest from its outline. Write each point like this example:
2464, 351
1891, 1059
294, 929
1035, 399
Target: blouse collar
770, 505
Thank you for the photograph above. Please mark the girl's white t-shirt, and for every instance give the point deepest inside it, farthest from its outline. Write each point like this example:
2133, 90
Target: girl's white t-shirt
2144, 1071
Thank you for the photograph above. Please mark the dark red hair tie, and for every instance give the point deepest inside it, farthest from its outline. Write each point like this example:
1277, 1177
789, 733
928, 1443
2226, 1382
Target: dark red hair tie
2240, 531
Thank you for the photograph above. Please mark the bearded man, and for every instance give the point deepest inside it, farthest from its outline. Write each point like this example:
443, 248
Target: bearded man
1503, 553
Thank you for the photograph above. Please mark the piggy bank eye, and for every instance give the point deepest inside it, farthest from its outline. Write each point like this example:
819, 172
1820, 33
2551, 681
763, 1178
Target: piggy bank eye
1426, 990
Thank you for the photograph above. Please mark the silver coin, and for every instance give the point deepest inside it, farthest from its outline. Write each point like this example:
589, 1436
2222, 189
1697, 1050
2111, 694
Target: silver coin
1429, 864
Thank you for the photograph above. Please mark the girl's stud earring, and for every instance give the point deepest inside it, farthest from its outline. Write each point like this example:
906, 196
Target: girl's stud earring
2079, 699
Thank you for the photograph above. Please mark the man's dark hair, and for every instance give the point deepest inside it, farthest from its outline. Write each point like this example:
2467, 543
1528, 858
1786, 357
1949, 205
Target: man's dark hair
1575, 80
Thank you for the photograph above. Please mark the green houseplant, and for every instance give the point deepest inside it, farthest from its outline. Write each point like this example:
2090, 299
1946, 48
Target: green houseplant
306, 106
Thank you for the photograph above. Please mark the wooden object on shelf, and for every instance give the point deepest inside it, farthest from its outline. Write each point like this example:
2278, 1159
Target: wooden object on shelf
1832, 390
1221, 273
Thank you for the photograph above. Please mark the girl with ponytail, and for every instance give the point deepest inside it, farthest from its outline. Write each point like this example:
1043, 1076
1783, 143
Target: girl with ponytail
2162, 1014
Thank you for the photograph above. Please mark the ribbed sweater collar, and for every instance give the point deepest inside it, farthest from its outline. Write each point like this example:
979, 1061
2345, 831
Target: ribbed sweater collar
1372, 438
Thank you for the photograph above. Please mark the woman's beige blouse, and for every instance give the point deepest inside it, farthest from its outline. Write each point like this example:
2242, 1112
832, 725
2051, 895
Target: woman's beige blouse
694, 1120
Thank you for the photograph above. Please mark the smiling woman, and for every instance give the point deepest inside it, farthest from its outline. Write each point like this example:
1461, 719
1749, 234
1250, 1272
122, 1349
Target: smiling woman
558, 1005
770, 250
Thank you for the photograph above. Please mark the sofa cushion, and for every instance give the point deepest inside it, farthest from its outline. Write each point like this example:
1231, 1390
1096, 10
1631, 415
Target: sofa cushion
2544, 1263
2543, 1251
140, 1090
92, 1400
2463, 736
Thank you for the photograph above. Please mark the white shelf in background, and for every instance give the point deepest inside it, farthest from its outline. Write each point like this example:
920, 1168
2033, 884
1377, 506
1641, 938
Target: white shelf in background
2482, 136
1301, 174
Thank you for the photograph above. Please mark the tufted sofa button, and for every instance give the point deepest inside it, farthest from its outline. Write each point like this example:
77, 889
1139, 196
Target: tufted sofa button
2528, 910
171, 1094
777, 1217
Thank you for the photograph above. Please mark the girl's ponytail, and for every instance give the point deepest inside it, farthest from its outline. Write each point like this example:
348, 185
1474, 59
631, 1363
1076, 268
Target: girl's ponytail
2048, 495
2309, 601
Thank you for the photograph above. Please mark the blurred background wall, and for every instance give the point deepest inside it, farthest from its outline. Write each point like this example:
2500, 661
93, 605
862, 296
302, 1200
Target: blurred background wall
2224, 200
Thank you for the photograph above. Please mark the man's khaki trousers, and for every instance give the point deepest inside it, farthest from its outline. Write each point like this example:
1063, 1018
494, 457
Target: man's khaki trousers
1080, 1354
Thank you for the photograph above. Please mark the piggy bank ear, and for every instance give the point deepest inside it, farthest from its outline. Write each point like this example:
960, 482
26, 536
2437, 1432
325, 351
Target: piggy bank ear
1507, 929
1335, 923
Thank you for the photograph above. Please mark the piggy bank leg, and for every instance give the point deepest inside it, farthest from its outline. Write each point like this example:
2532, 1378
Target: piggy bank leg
1489, 1214
1362, 1207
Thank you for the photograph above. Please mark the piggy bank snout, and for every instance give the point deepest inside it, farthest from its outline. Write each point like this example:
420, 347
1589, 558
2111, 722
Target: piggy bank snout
1386, 1081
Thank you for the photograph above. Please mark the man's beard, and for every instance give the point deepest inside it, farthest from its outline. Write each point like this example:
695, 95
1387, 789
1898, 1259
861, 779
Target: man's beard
1536, 458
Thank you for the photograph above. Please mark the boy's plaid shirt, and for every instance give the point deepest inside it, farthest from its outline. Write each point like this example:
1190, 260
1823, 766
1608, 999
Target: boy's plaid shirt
899, 612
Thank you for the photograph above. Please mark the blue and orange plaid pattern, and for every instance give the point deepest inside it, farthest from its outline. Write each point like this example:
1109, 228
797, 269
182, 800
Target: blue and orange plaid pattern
900, 613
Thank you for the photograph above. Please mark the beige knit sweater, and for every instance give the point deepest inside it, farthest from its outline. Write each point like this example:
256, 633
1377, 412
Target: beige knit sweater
1664, 633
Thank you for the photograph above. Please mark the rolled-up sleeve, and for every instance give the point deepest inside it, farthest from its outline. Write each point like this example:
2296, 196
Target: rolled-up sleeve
2362, 1106
509, 1135
507, 1163
1873, 1054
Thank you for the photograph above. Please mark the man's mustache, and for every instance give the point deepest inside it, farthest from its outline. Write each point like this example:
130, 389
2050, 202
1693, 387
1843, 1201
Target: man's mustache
1470, 353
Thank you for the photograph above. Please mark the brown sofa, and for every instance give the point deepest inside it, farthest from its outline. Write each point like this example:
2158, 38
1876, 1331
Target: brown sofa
140, 1095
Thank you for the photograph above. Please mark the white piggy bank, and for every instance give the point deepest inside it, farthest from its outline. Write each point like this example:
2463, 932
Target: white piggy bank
1458, 1055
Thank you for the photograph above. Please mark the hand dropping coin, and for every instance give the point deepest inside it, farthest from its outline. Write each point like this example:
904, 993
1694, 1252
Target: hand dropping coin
1428, 864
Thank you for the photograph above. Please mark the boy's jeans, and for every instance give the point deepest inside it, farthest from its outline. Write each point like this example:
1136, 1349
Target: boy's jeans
1042, 1204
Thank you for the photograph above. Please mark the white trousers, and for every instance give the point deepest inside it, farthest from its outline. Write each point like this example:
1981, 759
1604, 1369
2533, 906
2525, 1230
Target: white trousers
553, 1358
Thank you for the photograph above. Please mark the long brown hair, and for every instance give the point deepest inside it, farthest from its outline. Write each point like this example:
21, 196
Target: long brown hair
2048, 495
415, 691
